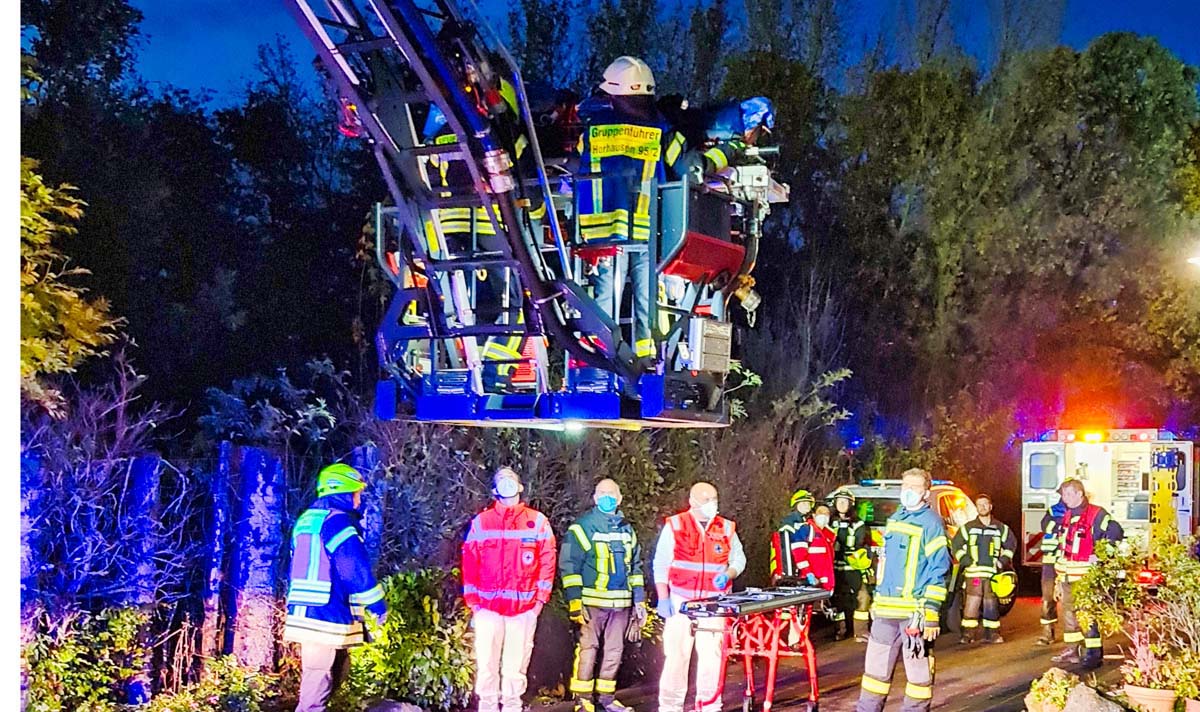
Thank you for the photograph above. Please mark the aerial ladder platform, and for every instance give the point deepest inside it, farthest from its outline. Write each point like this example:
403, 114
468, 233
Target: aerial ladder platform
498, 324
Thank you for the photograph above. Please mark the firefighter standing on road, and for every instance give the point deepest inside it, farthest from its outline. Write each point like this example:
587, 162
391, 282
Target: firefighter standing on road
910, 593
1082, 525
331, 585
984, 547
784, 542
601, 569
508, 573
851, 562
1049, 548
698, 555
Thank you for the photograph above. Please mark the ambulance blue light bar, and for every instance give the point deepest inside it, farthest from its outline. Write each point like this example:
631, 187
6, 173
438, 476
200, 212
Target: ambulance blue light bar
1124, 435
884, 483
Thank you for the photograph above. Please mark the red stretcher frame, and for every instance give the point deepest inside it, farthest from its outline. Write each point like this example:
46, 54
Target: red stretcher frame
759, 635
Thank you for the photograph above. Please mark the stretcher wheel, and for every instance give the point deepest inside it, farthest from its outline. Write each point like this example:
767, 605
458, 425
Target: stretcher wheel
811, 707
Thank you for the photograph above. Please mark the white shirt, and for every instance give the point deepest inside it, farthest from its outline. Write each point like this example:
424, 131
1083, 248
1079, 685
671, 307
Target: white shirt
664, 554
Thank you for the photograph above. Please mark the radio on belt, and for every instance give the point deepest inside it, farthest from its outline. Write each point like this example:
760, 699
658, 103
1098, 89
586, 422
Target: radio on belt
767, 623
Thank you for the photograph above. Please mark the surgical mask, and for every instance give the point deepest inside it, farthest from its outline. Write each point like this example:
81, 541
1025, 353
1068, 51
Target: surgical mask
607, 503
909, 498
708, 510
507, 487
822, 520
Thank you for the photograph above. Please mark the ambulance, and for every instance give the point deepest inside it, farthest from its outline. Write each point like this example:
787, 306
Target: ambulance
1116, 467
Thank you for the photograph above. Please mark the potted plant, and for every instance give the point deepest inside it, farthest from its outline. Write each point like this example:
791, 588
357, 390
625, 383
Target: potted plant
1162, 621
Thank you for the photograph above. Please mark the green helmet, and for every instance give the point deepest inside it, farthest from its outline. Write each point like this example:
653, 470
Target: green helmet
803, 495
339, 478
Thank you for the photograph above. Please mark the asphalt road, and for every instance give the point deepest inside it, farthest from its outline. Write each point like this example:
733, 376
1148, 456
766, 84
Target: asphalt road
975, 678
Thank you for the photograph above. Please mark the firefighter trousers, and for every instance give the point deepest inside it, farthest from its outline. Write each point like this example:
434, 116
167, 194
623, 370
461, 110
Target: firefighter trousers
887, 642
979, 595
604, 626
502, 648
1089, 641
851, 600
678, 642
1049, 605
322, 669
609, 284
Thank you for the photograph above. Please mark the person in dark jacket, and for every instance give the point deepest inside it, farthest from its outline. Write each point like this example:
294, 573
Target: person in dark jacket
601, 570
332, 587
983, 547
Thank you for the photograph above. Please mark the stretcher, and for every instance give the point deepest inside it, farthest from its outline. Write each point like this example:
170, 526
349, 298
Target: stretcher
762, 623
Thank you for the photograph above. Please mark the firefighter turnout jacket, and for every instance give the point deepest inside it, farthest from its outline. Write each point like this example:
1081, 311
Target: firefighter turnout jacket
508, 559
984, 549
784, 544
625, 149
331, 580
1079, 530
601, 562
914, 565
850, 541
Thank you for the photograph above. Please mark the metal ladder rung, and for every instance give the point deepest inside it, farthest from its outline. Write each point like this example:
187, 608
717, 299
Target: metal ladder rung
360, 46
461, 265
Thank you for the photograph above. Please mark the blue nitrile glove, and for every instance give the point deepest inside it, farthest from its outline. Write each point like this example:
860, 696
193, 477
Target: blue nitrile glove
721, 581
810, 579
664, 608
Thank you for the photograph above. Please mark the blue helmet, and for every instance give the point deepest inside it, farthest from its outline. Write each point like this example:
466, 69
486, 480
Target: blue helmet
758, 111
434, 123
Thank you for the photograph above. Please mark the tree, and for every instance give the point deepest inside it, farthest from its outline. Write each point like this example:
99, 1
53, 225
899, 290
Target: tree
60, 326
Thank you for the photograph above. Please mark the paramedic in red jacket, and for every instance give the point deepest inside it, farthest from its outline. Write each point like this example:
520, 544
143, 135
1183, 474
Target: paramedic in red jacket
813, 549
508, 572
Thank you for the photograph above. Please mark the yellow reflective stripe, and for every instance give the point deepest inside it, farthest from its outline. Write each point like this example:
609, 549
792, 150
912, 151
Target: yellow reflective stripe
366, 598
994, 625
938, 542
904, 528
717, 156
862, 616
521, 144
918, 692
339, 538
572, 580
644, 347
1089, 642
597, 186
580, 537
445, 139
606, 687
604, 565
1070, 637
970, 623
637, 580
935, 593
581, 686
674, 149
643, 201
874, 686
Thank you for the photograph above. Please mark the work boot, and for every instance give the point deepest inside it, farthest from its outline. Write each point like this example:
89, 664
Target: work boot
611, 704
993, 639
1047, 636
840, 632
1069, 656
584, 704
1091, 662
862, 638
967, 637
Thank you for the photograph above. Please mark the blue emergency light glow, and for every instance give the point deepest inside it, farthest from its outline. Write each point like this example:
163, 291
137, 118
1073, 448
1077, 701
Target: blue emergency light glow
1097, 436
881, 483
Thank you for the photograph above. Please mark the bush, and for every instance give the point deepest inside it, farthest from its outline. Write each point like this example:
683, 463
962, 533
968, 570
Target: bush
225, 687
420, 655
81, 661
1050, 691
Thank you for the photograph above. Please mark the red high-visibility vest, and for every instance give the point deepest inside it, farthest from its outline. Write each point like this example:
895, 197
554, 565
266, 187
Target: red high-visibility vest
699, 556
1077, 544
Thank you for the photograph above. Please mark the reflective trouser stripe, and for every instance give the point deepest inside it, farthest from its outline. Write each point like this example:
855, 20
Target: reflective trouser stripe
862, 615
918, 692
994, 625
606, 687
1072, 637
970, 623
1047, 621
1089, 642
876, 686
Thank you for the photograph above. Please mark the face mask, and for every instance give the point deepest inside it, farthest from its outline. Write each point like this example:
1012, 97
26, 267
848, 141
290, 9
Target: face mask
909, 498
708, 510
607, 503
507, 487
822, 520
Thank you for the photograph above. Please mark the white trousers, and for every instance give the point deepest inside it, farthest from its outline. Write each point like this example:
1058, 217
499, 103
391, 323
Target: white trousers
502, 648
678, 641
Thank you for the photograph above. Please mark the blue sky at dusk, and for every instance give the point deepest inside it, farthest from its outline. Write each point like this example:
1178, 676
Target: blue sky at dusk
212, 44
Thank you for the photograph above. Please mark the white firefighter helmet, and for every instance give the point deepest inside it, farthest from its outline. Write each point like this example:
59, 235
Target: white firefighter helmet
628, 76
